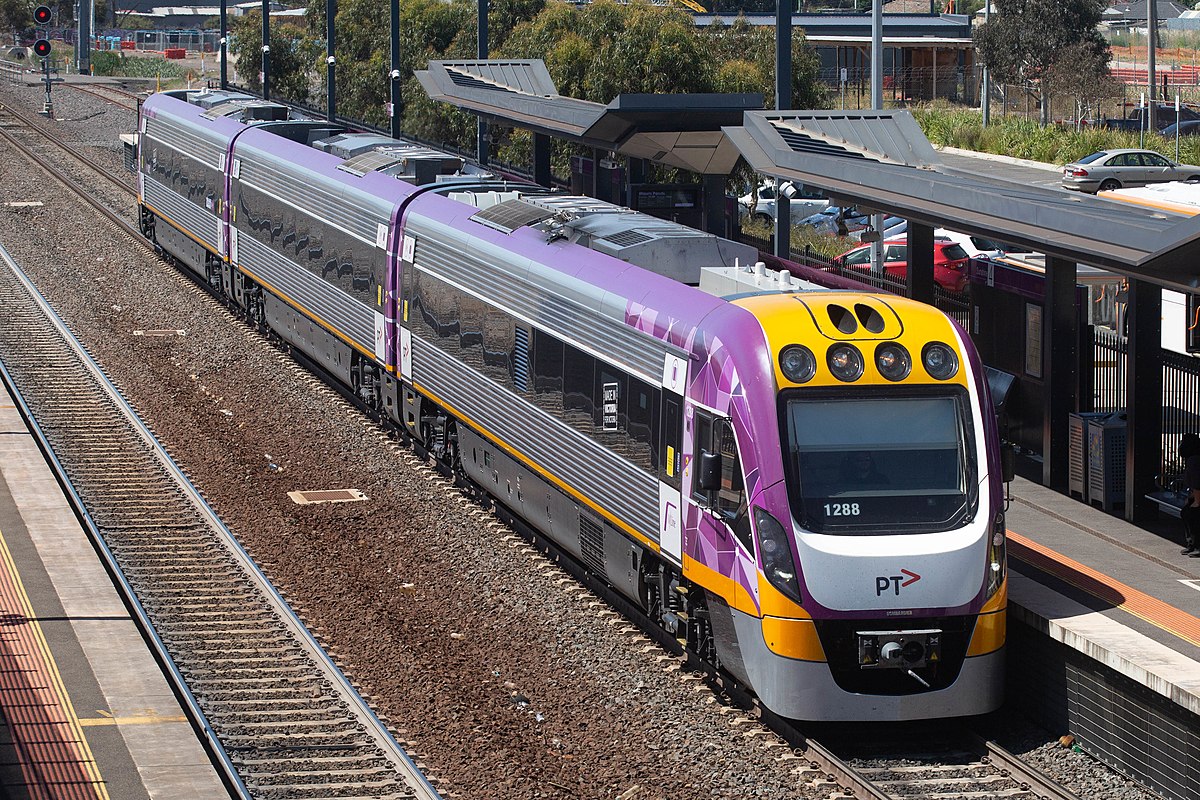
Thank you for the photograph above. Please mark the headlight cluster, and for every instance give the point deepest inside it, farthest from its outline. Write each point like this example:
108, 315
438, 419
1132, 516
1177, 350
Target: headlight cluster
997, 566
847, 364
775, 552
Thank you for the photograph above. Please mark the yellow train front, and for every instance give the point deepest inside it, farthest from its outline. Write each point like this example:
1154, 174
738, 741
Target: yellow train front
845, 520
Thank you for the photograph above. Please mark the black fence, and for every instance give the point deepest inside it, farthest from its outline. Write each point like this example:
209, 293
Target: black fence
1181, 393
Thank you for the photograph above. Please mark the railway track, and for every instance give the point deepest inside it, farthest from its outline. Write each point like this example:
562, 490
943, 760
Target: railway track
930, 761
69, 165
109, 94
281, 718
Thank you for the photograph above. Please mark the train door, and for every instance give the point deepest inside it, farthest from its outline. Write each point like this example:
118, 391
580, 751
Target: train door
670, 459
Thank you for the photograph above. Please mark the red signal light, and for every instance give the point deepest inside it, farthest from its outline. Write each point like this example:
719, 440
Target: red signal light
41, 48
42, 15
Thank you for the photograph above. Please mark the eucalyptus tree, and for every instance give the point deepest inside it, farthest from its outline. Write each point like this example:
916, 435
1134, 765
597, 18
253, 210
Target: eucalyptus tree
1027, 39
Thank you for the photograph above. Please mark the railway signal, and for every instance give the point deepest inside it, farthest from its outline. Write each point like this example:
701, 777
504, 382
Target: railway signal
42, 15
42, 49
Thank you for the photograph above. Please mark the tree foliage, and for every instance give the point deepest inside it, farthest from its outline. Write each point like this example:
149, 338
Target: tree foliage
1026, 38
291, 57
1082, 74
594, 52
15, 16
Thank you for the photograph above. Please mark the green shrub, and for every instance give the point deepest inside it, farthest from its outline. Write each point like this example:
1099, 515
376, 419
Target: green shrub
106, 62
1020, 137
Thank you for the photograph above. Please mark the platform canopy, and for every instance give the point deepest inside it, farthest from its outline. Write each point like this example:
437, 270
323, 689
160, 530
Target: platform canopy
881, 160
675, 130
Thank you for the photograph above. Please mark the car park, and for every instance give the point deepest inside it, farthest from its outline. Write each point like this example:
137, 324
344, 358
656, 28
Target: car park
950, 261
1106, 170
803, 202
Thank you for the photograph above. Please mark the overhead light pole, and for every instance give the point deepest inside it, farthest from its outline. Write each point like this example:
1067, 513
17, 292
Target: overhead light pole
783, 101
987, 76
877, 103
481, 138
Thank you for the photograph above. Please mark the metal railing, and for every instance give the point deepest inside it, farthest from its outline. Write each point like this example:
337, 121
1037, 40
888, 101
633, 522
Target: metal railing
1181, 393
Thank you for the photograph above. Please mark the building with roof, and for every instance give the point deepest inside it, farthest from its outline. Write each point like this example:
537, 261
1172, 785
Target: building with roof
1132, 15
924, 55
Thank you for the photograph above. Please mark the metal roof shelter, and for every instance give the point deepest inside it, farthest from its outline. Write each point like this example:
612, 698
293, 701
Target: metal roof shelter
675, 130
882, 160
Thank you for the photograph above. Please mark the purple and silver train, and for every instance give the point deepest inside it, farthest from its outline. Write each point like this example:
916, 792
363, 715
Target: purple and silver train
801, 484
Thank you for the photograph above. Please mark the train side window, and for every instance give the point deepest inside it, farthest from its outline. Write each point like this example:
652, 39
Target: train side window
716, 436
643, 424
548, 370
703, 443
578, 375
732, 494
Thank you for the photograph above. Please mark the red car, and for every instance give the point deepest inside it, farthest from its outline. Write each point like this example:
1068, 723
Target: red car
949, 261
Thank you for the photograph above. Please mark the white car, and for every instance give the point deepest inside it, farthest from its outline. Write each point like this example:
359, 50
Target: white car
804, 202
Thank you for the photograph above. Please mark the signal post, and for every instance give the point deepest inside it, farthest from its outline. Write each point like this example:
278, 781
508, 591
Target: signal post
41, 48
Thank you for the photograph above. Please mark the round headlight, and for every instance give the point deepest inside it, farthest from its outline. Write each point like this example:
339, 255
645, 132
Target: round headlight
893, 361
797, 363
845, 362
940, 361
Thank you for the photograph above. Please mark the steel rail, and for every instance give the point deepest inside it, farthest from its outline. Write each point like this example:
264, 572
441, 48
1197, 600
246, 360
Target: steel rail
61, 145
195, 715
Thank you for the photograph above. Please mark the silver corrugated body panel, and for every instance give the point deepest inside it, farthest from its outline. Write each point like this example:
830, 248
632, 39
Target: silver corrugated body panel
335, 308
613, 483
200, 223
189, 138
521, 288
315, 194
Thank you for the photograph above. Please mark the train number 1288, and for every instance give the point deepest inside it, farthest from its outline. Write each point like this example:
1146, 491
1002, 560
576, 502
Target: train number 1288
841, 509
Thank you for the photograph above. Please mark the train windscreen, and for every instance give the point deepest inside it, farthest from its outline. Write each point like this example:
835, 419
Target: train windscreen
876, 464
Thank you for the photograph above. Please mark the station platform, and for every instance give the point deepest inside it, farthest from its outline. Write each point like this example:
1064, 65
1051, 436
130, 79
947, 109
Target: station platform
85, 711
1104, 634
1121, 593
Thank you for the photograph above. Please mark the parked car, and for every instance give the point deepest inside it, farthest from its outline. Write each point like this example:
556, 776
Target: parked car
950, 261
1188, 127
1112, 169
804, 201
1165, 115
853, 220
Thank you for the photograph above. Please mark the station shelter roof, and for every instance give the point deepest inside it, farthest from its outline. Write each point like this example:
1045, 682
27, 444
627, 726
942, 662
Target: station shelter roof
675, 130
883, 161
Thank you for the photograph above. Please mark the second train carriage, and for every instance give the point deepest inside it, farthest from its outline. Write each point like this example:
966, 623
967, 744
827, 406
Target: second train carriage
685, 427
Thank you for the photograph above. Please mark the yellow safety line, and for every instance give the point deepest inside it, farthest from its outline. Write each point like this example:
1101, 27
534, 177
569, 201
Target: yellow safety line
142, 720
89, 760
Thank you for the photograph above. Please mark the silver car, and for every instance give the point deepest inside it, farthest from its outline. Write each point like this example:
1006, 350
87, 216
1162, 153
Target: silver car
1113, 169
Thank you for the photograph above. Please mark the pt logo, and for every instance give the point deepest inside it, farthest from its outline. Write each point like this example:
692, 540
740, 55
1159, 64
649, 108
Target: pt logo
882, 582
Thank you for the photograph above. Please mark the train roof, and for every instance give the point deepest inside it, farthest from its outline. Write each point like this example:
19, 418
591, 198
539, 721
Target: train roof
1180, 197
